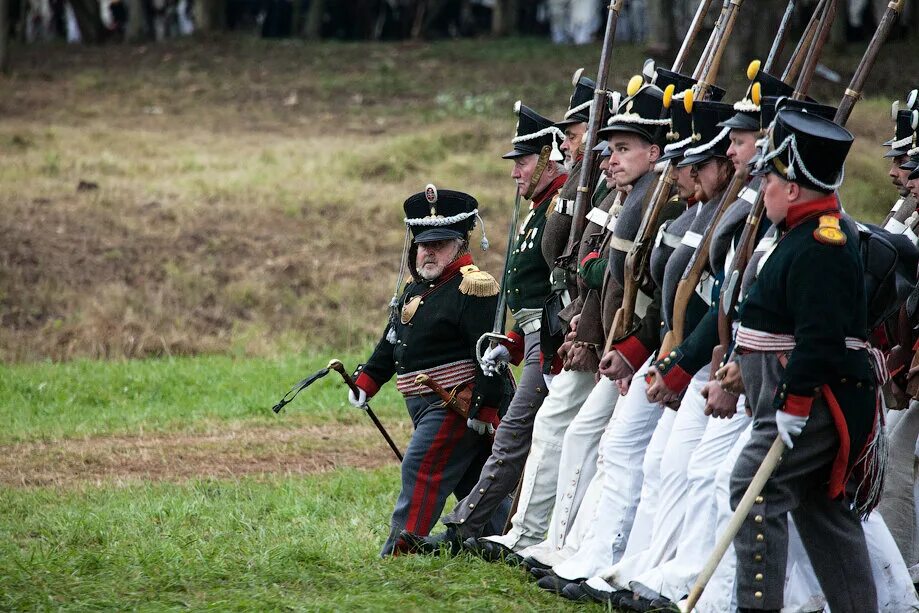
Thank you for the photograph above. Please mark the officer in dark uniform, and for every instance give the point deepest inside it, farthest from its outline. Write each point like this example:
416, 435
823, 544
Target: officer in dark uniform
539, 176
802, 355
434, 328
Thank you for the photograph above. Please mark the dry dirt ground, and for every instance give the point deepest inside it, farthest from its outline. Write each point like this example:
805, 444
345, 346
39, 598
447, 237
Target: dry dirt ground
228, 453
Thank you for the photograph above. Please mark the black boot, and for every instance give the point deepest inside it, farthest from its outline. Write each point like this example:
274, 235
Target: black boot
492, 551
555, 584
448, 542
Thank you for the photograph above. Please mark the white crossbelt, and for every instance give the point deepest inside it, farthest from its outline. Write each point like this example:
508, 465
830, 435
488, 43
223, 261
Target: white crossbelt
447, 376
598, 216
529, 320
564, 206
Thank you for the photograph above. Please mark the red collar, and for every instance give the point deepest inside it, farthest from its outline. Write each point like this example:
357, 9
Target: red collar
553, 187
454, 267
799, 213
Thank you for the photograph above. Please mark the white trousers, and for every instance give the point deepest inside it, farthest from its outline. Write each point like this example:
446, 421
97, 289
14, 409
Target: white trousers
567, 394
621, 461
573, 21
684, 534
577, 465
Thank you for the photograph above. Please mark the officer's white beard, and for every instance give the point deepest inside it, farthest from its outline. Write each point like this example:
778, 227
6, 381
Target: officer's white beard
431, 267
569, 165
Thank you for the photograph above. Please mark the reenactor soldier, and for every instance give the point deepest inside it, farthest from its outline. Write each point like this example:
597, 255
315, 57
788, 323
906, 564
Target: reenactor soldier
434, 328
539, 177
569, 388
801, 354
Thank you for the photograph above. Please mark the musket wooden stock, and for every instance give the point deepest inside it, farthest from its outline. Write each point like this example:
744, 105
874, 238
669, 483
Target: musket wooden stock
458, 402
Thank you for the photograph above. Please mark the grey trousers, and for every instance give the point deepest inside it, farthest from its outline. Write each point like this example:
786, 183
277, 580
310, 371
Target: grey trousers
831, 532
503, 468
898, 504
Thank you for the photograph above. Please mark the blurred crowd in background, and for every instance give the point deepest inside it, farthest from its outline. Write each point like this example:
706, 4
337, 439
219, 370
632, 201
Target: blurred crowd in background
651, 22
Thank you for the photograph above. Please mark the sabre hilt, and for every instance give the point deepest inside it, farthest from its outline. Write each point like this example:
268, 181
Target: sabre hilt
494, 339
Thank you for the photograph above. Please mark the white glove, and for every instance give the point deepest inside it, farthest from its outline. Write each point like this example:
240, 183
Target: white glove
789, 425
358, 401
548, 380
494, 358
480, 426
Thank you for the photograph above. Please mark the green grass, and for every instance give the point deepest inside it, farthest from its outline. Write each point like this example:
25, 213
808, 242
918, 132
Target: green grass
93, 398
304, 544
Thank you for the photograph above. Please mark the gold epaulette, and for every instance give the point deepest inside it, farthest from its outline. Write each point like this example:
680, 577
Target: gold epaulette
478, 282
828, 231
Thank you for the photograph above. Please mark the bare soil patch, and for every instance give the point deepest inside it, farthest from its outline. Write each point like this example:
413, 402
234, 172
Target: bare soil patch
179, 457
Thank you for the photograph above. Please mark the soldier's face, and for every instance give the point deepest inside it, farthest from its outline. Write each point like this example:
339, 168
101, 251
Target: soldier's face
632, 157
708, 179
524, 167
777, 197
571, 146
685, 186
898, 177
604, 168
742, 149
433, 257
912, 186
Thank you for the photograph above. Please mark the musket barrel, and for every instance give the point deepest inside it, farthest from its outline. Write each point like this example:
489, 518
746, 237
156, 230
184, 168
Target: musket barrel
781, 36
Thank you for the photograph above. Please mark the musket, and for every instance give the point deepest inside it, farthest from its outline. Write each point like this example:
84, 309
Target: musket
636, 260
455, 401
497, 334
781, 36
698, 261
579, 214
775, 452
579, 220
804, 58
337, 366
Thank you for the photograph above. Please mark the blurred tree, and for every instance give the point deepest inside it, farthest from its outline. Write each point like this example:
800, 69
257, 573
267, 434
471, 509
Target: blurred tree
89, 19
135, 28
5, 36
504, 20
313, 27
211, 15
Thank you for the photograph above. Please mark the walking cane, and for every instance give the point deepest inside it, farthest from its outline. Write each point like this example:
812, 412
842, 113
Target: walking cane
336, 365
772, 459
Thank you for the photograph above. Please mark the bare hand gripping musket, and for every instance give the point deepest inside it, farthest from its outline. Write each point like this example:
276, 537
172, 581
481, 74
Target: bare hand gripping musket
636, 260
775, 453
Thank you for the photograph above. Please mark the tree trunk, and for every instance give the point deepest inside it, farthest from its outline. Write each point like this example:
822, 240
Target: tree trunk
504, 17
5, 36
89, 20
134, 30
313, 29
211, 15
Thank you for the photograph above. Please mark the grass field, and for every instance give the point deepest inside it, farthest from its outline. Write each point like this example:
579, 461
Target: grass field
188, 229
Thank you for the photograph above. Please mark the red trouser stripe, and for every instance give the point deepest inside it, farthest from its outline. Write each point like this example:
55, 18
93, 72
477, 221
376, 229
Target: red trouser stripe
427, 480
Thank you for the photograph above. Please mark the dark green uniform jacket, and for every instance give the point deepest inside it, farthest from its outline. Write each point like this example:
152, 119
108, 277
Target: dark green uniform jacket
443, 330
812, 287
526, 274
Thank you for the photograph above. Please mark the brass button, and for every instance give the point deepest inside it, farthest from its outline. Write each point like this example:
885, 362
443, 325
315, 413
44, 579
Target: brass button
759, 500
517, 290
491, 477
673, 354
758, 595
463, 520
397, 362
420, 302
758, 557
859, 384
500, 462
539, 390
431, 285
758, 519
481, 490
843, 380
471, 506
758, 577
760, 538
784, 386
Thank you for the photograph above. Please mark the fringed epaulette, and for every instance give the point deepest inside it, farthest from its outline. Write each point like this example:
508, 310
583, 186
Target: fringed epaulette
828, 231
478, 282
